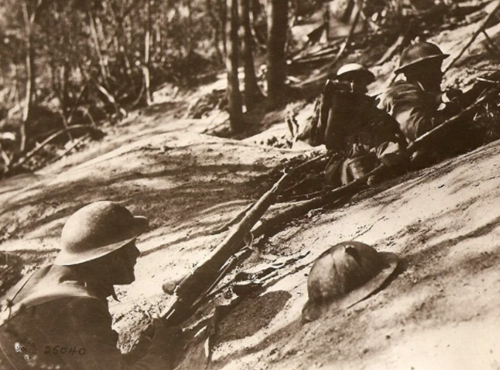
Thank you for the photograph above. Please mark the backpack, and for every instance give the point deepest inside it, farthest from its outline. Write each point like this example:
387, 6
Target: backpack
333, 111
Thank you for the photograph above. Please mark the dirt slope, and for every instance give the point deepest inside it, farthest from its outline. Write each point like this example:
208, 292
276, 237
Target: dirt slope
440, 311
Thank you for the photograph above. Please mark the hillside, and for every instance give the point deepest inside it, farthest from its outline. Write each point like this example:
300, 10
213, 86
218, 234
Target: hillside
439, 311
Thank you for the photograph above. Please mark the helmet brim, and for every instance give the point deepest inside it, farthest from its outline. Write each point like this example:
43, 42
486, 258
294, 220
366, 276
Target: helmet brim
367, 289
366, 74
65, 258
313, 311
403, 68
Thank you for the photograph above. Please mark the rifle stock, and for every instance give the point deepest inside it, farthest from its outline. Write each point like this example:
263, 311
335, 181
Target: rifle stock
193, 285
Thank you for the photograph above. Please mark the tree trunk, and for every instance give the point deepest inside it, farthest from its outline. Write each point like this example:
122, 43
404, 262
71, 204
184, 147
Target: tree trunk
97, 46
30, 87
145, 67
277, 20
122, 48
223, 21
233, 89
29, 20
158, 47
191, 43
63, 83
253, 95
216, 25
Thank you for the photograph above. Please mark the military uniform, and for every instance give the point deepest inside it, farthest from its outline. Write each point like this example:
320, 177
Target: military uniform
412, 107
58, 317
416, 108
360, 135
63, 324
416, 111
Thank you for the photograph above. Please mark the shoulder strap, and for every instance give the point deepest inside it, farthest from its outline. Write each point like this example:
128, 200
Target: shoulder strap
12, 294
56, 292
45, 295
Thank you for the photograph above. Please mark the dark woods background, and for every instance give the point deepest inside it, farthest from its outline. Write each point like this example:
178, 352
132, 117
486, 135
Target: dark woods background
67, 65
84, 60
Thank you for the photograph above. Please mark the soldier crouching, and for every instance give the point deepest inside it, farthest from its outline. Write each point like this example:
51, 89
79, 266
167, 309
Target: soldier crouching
58, 317
418, 104
357, 134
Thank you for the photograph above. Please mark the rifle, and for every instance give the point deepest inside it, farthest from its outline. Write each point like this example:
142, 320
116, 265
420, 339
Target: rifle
191, 290
199, 281
193, 287
486, 95
209, 272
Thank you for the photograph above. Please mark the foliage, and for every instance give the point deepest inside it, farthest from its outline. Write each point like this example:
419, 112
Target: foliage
92, 54
85, 61
10, 271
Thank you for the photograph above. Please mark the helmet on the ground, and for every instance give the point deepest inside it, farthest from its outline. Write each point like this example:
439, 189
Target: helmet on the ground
351, 70
419, 52
97, 230
344, 275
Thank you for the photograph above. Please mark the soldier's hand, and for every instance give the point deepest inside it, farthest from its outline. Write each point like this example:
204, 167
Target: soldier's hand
451, 95
390, 154
451, 102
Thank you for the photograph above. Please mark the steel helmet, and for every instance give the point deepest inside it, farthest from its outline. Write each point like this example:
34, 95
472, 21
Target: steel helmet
352, 69
419, 52
344, 275
97, 230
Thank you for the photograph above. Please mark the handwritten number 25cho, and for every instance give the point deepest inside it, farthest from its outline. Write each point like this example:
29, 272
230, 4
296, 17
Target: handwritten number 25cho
58, 350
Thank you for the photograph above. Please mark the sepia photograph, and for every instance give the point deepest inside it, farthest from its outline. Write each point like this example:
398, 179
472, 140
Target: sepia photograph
249, 184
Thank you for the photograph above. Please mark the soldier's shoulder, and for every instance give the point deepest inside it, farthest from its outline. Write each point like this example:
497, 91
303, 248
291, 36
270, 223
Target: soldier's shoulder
401, 87
76, 305
400, 92
87, 304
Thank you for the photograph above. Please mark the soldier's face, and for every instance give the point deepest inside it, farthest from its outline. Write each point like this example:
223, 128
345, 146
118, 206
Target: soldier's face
130, 259
428, 73
359, 81
123, 264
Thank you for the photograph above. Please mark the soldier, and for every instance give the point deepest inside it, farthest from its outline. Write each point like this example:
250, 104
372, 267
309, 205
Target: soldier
417, 103
358, 135
58, 318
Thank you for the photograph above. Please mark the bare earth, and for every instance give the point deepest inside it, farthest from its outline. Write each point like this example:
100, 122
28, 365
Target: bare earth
440, 311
